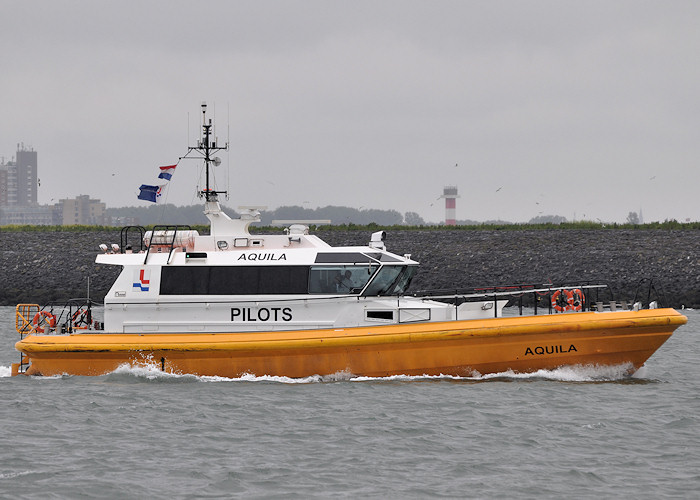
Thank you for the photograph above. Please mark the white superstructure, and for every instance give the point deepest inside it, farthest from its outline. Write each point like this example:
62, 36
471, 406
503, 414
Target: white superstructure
233, 281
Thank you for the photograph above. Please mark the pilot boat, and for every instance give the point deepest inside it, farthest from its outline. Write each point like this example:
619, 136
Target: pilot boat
231, 303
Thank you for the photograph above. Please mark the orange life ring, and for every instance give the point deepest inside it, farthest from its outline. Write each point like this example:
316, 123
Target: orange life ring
561, 300
568, 300
79, 316
577, 300
43, 317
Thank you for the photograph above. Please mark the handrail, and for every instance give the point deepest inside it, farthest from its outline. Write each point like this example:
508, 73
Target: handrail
73, 314
124, 237
507, 291
24, 315
165, 228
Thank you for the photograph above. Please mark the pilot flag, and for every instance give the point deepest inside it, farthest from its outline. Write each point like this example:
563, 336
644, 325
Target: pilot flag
153, 193
150, 193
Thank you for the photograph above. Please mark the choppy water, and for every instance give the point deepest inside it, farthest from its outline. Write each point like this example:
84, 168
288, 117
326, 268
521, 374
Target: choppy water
581, 433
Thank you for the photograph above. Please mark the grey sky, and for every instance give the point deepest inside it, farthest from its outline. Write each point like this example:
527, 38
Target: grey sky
571, 108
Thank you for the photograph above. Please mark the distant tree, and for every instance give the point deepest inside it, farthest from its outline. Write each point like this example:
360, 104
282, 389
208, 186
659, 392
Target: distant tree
337, 215
547, 219
382, 217
495, 222
413, 219
193, 214
164, 214
293, 212
632, 218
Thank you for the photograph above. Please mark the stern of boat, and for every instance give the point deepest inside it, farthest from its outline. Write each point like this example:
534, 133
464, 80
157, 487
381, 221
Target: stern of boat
73, 316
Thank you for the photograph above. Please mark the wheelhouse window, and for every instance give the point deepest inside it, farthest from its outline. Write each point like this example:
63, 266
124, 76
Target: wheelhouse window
404, 280
343, 258
339, 278
391, 280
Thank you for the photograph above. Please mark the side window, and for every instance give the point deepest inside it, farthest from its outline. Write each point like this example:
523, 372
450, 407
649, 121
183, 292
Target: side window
233, 280
404, 280
339, 279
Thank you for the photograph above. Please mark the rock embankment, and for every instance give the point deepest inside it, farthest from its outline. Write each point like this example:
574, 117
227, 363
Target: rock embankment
45, 266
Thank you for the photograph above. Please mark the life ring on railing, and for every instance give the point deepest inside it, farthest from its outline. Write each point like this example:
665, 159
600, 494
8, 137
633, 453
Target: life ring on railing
41, 318
80, 317
577, 300
562, 300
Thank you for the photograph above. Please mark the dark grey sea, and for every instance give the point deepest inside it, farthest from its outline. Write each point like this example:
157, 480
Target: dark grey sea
137, 433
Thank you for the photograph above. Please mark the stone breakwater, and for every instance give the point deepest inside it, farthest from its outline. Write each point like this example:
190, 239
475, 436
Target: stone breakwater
46, 266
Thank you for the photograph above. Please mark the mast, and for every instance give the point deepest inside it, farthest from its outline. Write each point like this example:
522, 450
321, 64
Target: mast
206, 147
221, 225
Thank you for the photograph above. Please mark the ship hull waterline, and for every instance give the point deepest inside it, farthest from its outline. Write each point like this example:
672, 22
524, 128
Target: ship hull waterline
460, 348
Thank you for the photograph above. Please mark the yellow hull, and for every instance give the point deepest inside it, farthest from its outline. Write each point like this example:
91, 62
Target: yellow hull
522, 344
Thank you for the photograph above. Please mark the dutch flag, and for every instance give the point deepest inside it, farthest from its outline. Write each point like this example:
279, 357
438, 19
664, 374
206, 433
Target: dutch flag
167, 172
